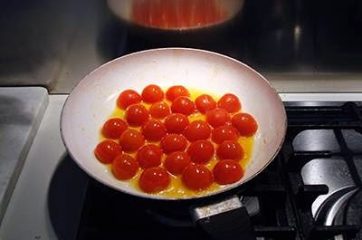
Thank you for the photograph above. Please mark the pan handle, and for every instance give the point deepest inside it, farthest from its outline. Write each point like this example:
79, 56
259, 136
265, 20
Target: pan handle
225, 220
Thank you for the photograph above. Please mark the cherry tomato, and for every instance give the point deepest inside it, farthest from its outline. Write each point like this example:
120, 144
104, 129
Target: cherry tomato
217, 117
176, 91
230, 150
160, 110
154, 180
136, 115
131, 140
154, 130
229, 102
176, 162
197, 130
205, 103
201, 151
197, 177
183, 105
173, 142
176, 123
152, 93
227, 172
114, 127
128, 97
224, 133
149, 156
124, 167
245, 124
107, 150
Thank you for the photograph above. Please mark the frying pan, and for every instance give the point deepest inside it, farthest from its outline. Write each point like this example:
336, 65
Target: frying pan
92, 101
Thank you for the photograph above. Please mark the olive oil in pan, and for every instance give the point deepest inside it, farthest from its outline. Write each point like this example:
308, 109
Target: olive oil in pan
176, 189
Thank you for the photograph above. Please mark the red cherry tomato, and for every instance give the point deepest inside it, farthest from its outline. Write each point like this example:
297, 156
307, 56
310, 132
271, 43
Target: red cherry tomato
128, 97
183, 105
176, 123
114, 127
197, 177
205, 103
154, 130
154, 180
149, 156
160, 110
176, 162
217, 117
152, 93
230, 150
176, 91
224, 133
131, 140
197, 130
229, 102
107, 150
245, 124
227, 172
136, 115
124, 167
173, 142
201, 151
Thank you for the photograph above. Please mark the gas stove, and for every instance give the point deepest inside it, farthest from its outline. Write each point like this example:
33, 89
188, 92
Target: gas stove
312, 190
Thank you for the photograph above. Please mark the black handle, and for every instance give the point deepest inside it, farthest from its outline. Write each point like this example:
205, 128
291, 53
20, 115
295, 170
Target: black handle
228, 223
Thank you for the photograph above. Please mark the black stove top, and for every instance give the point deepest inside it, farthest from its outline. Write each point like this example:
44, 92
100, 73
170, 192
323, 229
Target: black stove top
279, 201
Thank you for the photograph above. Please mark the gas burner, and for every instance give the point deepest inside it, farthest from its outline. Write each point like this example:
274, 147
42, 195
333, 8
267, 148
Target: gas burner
333, 204
347, 210
353, 211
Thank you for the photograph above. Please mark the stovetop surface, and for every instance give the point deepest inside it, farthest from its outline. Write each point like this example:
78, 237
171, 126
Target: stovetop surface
281, 197
54, 199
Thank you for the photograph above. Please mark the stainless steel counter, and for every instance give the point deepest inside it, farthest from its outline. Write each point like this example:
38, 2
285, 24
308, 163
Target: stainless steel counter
21, 111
